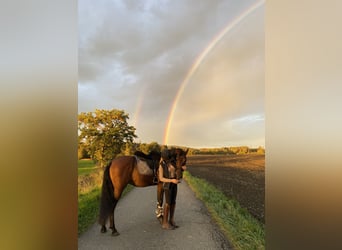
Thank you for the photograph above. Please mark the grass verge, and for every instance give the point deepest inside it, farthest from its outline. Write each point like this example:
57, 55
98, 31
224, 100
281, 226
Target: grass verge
89, 205
241, 228
88, 209
89, 191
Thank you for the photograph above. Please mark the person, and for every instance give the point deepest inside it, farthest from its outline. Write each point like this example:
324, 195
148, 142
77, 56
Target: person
167, 175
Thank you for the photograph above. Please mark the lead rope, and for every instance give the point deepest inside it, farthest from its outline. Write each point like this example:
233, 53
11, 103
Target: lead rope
155, 177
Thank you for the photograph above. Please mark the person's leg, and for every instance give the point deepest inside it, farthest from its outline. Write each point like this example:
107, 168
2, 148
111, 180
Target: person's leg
173, 206
166, 210
160, 198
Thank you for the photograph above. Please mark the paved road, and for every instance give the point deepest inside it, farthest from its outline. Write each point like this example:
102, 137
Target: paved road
139, 228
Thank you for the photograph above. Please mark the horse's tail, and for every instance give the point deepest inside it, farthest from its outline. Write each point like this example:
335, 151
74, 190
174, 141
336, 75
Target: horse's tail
108, 201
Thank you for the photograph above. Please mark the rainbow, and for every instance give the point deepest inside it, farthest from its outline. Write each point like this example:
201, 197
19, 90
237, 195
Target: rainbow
197, 62
138, 107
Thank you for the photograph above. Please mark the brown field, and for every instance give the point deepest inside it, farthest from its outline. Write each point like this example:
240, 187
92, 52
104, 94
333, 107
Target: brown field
241, 177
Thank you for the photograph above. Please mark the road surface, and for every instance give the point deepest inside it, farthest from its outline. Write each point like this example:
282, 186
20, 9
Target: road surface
139, 229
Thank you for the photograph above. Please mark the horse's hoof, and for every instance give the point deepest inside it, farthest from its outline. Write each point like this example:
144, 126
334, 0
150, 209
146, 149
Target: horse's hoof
103, 229
116, 233
174, 225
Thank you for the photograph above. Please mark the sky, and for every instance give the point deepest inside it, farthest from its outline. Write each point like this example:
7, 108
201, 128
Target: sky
188, 72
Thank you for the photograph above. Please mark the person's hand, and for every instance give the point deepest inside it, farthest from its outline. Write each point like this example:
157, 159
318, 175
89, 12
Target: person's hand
175, 181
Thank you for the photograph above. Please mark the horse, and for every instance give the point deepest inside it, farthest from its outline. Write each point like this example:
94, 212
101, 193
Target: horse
138, 170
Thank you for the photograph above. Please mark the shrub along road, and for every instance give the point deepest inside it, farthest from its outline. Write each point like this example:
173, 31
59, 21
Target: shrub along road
139, 229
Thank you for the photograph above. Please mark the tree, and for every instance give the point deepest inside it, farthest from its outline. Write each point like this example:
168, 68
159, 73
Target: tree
82, 152
148, 147
129, 148
104, 133
261, 150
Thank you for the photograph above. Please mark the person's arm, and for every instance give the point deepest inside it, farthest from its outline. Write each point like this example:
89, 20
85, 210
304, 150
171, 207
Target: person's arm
163, 179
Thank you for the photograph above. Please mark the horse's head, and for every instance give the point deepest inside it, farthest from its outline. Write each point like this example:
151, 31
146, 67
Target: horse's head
178, 159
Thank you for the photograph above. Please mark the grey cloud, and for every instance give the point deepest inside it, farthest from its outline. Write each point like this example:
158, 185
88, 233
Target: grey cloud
135, 37
127, 47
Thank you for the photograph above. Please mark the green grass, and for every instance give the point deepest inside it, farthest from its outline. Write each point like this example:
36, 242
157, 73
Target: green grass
89, 192
86, 166
88, 209
241, 228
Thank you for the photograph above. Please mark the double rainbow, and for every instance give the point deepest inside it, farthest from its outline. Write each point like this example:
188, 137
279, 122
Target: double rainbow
200, 59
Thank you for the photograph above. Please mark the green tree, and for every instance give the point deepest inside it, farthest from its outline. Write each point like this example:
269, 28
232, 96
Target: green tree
261, 150
153, 146
148, 147
104, 133
129, 148
82, 152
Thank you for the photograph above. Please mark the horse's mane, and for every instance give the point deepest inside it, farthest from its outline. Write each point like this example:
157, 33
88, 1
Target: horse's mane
141, 154
151, 156
177, 151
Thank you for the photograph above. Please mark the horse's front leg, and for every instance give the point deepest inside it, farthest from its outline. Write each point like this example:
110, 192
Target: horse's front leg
160, 195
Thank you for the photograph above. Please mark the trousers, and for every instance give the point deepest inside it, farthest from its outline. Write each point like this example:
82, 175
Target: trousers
170, 193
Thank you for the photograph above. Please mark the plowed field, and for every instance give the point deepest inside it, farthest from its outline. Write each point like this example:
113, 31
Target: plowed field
241, 177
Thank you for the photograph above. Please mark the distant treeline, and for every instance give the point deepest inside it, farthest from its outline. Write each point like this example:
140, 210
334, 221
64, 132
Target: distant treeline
228, 151
130, 148
127, 149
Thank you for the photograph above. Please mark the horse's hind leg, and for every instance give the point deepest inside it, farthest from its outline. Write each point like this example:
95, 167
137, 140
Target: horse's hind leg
117, 194
112, 222
112, 225
103, 229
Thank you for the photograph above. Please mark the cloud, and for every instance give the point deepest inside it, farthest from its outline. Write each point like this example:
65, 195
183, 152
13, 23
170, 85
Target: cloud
228, 85
137, 53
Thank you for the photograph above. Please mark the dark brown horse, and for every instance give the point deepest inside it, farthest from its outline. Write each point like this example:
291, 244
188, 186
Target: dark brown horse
139, 170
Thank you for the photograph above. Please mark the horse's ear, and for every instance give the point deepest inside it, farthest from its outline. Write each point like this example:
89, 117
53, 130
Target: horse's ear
186, 151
